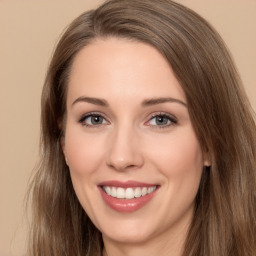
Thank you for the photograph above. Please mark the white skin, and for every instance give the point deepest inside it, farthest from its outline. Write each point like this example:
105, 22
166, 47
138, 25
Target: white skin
129, 144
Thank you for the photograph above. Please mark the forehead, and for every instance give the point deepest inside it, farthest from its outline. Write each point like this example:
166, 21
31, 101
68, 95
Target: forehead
121, 68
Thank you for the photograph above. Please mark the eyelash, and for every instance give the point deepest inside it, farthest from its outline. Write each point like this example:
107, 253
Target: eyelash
173, 121
91, 114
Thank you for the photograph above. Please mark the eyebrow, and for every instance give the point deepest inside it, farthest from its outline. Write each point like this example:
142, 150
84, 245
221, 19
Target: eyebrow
145, 103
155, 101
95, 101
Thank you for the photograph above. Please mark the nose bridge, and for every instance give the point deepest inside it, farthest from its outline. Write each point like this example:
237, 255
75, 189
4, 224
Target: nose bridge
124, 151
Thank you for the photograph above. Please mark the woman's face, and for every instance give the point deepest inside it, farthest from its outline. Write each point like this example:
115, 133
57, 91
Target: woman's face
134, 158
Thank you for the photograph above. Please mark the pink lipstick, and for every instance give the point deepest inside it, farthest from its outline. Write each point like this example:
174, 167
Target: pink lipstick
127, 196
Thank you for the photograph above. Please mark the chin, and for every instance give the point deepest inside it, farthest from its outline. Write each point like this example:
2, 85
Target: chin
127, 238
129, 232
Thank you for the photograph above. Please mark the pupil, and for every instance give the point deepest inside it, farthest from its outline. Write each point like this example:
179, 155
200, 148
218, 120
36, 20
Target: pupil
96, 119
161, 120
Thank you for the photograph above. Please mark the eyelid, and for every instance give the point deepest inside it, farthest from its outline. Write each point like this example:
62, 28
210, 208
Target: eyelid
172, 118
93, 113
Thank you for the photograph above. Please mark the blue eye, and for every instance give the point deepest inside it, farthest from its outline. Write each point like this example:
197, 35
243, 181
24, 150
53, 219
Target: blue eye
162, 120
93, 120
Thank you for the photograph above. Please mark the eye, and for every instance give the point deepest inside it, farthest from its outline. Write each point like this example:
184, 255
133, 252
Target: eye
93, 119
161, 121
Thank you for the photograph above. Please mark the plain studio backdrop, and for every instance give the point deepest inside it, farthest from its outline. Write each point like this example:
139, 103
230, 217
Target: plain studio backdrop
29, 31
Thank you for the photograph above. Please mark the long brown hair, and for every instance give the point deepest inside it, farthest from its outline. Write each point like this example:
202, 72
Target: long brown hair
224, 222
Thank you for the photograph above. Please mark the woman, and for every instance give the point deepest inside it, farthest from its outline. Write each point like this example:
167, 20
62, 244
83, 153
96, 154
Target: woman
148, 139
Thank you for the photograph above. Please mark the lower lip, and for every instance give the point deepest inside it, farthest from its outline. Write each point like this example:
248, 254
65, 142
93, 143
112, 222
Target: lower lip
126, 205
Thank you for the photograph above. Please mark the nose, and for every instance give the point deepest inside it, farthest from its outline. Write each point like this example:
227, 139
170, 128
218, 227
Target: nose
124, 151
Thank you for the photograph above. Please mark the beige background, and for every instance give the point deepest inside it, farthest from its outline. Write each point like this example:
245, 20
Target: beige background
28, 33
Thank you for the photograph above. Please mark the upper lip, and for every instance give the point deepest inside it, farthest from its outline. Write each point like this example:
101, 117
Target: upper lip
126, 184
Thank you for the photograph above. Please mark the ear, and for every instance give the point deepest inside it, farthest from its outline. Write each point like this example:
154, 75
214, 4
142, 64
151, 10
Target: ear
62, 143
207, 159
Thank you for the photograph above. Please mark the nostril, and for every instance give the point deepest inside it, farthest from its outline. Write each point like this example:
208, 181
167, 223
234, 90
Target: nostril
122, 157
123, 165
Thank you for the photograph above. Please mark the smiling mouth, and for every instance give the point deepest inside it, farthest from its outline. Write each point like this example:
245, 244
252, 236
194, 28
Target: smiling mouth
128, 193
128, 196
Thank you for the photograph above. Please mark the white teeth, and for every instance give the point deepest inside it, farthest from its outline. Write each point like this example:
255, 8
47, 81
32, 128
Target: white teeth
137, 192
128, 193
150, 190
120, 193
144, 191
108, 190
113, 192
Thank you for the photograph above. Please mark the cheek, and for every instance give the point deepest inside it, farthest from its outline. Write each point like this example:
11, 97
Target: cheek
83, 152
178, 156
84, 157
180, 161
